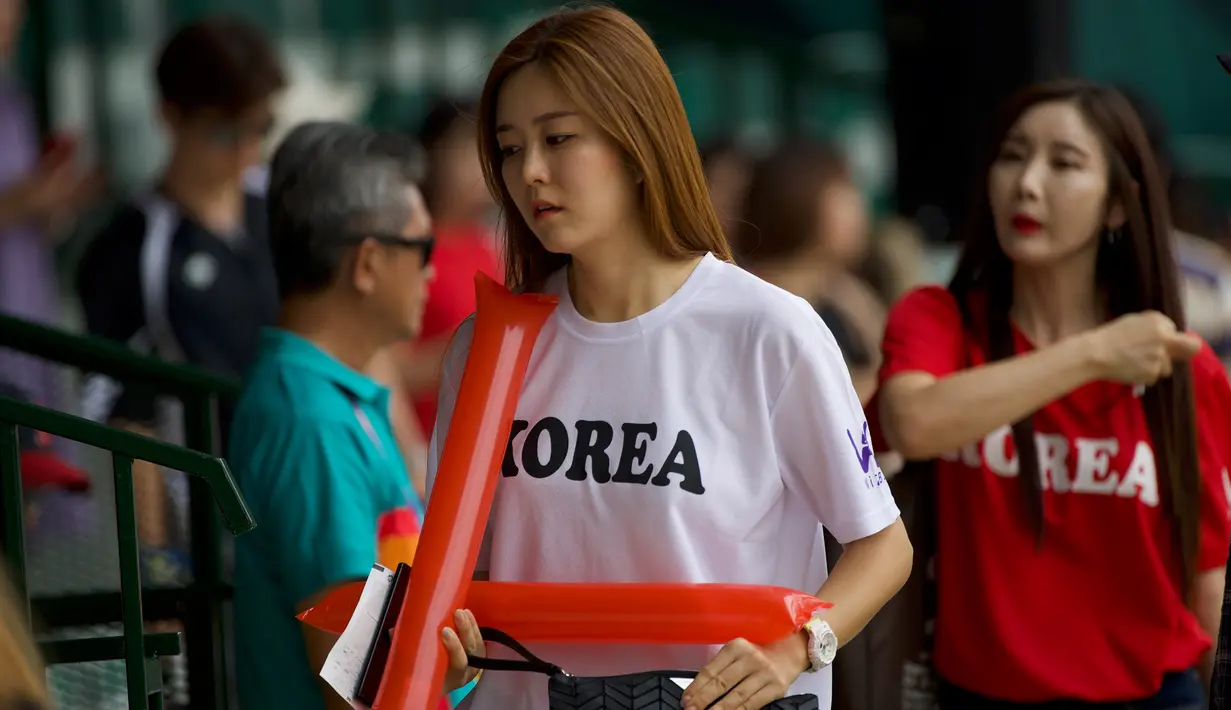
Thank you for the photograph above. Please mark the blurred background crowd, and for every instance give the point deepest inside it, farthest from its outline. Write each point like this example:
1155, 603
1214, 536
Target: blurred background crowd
838, 140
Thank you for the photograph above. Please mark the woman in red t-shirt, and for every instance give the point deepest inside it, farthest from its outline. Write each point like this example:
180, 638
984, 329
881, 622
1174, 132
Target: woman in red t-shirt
1079, 435
462, 213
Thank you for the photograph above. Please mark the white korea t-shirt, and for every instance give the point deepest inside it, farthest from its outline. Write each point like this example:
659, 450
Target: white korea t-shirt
704, 441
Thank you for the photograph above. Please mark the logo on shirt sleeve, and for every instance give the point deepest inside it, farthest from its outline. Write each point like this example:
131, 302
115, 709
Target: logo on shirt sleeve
873, 477
200, 271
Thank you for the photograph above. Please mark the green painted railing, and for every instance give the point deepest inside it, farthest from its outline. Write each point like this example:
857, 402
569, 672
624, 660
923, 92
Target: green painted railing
198, 606
112, 359
125, 447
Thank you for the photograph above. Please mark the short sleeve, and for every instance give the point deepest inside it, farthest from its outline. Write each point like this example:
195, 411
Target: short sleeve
109, 289
1213, 405
823, 444
314, 503
923, 333
450, 382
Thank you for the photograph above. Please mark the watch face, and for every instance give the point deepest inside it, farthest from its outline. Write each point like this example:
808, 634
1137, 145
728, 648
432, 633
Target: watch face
824, 644
828, 643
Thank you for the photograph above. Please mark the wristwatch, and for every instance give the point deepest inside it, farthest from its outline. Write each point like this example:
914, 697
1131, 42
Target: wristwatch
822, 644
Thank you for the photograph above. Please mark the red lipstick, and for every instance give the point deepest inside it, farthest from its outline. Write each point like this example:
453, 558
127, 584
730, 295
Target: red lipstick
1025, 224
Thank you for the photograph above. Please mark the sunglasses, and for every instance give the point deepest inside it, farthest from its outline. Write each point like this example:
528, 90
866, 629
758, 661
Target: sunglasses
424, 245
228, 134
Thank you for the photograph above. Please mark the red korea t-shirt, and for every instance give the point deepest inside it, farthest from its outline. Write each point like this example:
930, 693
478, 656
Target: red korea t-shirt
1096, 613
460, 252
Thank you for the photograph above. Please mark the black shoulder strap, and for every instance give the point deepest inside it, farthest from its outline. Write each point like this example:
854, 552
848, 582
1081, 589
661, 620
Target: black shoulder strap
532, 664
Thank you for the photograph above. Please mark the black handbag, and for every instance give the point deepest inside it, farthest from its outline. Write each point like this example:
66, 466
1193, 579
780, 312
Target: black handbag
651, 690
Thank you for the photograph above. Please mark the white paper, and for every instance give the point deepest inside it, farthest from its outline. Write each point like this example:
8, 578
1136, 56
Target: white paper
343, 669
682, 682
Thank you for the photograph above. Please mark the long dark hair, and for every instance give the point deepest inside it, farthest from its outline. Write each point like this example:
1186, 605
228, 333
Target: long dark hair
1192, 210
1135, 272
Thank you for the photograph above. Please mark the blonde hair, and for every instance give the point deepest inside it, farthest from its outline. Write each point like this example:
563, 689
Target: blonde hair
23, 679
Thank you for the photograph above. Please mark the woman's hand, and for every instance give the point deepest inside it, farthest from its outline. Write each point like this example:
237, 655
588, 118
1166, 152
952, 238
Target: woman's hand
466, 639
1139, 348
748, 677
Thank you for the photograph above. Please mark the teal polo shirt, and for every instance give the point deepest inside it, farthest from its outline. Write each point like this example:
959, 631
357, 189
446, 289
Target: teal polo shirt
314, 455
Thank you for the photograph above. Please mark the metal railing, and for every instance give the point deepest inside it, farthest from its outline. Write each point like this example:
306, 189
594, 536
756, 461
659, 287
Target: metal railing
199, 606
125, 447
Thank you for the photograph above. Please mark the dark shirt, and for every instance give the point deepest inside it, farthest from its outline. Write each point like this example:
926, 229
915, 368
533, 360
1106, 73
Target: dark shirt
158, 280
1220, 683
854, 350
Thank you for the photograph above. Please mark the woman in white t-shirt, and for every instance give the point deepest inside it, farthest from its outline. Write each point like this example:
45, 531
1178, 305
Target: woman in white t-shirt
681, 420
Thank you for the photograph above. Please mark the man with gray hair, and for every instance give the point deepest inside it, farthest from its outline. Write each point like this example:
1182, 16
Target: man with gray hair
311, 444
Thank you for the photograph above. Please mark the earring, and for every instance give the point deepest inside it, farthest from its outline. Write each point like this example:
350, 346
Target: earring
1111, 235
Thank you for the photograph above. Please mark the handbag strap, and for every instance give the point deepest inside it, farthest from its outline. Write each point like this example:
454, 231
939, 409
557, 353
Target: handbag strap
532, 664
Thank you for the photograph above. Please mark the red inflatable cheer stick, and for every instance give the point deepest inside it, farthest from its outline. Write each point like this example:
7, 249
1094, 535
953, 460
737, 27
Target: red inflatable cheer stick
686, 614
505, 329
